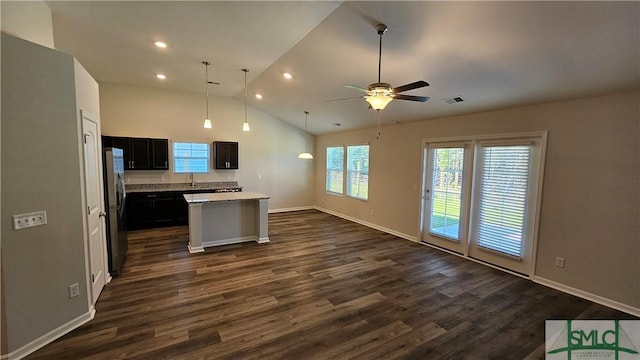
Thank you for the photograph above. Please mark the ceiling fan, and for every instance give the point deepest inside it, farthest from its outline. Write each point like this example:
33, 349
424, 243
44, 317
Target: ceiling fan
380, 94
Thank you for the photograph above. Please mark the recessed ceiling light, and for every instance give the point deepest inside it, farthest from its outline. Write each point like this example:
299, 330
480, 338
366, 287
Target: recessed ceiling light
258, 96
160, 44
287, 76
161, 76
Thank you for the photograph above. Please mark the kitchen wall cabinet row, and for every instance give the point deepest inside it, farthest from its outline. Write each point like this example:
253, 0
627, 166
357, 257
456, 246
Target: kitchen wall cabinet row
141, 153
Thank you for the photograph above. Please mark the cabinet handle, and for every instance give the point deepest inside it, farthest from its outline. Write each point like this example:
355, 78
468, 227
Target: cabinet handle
151, 195
133, 164
165, 164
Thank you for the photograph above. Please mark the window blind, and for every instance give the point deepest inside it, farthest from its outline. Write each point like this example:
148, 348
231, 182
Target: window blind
190, 157
504, 182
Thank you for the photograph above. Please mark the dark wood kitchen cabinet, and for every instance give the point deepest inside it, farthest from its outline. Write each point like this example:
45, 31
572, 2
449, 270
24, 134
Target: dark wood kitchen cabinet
146, 210
141, 153
225, 154
158, 209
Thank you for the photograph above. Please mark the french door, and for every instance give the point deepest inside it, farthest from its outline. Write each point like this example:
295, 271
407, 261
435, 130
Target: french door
481, 198
445, 198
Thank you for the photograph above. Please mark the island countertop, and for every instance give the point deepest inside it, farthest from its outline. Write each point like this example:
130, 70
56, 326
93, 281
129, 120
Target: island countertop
217, 197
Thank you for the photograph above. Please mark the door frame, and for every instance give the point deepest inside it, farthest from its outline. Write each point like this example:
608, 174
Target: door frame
84, 115
474, 139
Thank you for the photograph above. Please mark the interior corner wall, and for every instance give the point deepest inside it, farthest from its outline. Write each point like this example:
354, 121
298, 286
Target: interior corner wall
29, 20
40, 171
268, 154
590, 200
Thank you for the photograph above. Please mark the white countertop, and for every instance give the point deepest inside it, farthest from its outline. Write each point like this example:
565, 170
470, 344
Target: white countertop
230, 196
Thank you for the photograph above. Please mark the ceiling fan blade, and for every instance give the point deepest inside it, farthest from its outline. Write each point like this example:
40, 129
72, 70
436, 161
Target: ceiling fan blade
411, 97
349, 98
356, 87
413, 85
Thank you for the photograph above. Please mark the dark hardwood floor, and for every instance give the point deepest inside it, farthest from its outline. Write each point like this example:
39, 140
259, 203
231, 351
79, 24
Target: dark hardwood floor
324, 288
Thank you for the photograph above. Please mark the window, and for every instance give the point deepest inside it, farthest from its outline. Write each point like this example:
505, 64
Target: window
357, 175
358, 171
335, 163
446, 187
190, 157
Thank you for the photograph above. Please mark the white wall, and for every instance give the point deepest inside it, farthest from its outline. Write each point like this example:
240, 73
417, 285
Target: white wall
591, 195
29, 20
41, 170
268, 154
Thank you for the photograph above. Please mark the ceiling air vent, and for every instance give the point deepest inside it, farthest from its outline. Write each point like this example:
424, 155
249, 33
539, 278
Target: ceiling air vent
453, 100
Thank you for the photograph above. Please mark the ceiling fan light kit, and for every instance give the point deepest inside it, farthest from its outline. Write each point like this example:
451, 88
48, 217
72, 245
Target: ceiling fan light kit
380, 94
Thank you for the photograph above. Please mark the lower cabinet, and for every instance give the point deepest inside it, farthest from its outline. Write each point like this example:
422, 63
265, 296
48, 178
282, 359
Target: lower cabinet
146, 210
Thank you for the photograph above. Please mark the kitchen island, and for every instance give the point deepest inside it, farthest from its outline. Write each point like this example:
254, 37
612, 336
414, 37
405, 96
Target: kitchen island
227, 218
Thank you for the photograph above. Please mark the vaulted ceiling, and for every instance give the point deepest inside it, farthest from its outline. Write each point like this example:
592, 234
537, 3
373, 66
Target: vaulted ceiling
491, 54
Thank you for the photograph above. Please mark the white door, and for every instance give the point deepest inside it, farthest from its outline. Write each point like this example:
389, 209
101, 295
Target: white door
93, 175
445, 195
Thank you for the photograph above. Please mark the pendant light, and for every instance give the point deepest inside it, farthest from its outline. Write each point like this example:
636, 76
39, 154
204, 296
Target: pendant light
207, 121
305, 155
245, 125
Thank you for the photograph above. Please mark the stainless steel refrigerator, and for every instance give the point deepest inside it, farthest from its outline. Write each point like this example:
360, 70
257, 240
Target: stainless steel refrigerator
115, 196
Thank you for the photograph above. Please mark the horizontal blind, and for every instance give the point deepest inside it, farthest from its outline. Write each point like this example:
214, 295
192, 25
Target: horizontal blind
335, 164
190, 157
504, 182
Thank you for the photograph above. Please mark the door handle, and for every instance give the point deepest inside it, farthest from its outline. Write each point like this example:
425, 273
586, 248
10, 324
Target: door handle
102, 214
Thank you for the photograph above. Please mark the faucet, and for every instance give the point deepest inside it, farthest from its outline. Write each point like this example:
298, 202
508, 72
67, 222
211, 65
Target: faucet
193, 183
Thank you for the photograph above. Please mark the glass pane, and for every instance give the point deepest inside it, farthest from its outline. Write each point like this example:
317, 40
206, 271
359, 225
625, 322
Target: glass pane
190, 157
503, 198
358, 171
446, 190
335, 160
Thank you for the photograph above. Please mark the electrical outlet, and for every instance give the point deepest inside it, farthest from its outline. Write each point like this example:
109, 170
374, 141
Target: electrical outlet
24, 221
559, 262
74, 290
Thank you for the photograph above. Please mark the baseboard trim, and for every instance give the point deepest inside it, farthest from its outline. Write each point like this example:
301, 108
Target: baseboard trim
368, 224
587, 295
49, 337
298, 208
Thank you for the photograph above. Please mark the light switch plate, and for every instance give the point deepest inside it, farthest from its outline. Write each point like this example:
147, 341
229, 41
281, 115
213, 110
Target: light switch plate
24, 221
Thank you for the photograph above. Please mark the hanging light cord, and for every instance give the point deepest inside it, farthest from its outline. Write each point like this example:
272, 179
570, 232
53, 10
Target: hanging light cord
206, 84
245, 94
306, 115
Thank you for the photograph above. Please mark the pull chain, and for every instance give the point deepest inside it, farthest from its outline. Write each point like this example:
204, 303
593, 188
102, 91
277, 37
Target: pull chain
379, 126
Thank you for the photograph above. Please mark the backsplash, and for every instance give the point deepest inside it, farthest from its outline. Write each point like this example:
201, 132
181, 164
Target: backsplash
180, 186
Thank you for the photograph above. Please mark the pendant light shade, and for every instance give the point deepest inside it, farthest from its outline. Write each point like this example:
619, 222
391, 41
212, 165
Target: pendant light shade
245, 124
305, 155
207, 121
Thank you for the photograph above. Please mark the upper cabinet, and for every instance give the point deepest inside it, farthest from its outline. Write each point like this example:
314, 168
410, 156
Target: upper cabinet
141, 153
225, 154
